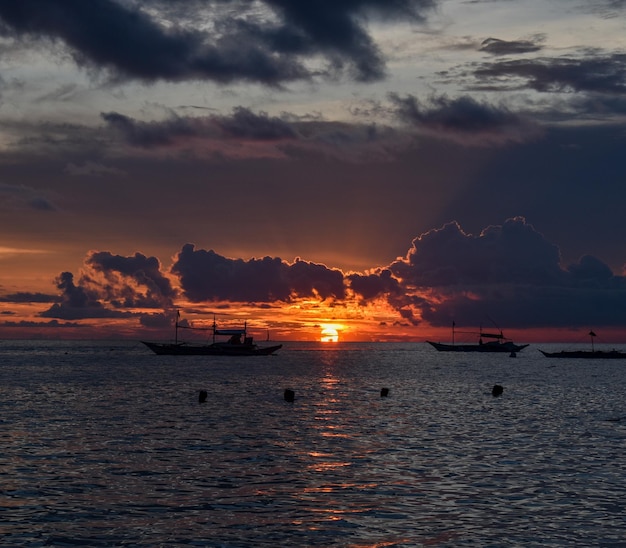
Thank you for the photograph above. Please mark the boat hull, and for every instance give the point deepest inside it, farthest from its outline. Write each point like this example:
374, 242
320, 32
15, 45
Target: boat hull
589, 355
215, 349
485, 347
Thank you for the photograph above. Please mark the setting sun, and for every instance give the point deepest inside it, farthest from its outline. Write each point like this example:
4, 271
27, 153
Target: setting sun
329, 333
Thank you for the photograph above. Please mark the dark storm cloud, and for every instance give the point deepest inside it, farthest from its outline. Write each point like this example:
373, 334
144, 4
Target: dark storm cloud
494, 46
233, 40
335, 29
242, 124
246, 134
130, 281
374, 285
26, 297
591, 270
509, 272
78, 302
130, 44
151, 134
207, 276
111, 282
463, 118
511, 253
594, 73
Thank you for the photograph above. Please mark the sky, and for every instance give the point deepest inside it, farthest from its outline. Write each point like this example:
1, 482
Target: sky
381, 168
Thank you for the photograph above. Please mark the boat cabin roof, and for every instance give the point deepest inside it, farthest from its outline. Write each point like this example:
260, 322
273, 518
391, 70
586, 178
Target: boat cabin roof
230, 332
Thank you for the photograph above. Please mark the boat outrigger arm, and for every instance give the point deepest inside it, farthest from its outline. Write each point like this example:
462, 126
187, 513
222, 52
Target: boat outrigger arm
179, 326
498, 336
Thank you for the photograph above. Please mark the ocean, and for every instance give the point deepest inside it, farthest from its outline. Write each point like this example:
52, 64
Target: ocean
106, 444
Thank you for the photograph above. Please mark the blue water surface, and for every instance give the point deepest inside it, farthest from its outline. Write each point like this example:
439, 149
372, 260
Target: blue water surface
106, 444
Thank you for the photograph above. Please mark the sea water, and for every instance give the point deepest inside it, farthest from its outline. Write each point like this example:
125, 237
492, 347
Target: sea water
106, 444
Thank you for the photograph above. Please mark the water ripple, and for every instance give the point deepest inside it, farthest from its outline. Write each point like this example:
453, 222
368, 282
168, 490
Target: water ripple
109, 447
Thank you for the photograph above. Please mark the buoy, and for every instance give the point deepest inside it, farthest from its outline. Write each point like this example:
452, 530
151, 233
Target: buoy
289, 395
384, 392
496, 390
202, 396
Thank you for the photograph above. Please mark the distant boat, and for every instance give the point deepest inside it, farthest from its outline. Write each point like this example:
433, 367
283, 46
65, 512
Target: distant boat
587, 354
238, 344
498, 343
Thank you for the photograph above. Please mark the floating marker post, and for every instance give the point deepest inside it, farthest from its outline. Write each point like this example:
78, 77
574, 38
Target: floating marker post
496, 390
289, 395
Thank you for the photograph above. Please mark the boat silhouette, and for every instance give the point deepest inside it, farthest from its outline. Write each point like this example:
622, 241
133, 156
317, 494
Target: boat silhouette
496, 342
239, 343
587, 354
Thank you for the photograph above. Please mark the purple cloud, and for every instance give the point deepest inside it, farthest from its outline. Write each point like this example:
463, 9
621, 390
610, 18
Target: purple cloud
463, 119
134, 281
207, 276
78, 302
509, 272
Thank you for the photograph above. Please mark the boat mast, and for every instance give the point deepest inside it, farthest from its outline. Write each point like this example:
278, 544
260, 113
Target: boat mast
176, 326
592, 335
453, 324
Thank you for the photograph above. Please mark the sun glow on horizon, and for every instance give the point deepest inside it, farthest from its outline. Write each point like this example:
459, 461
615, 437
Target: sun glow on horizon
330, 333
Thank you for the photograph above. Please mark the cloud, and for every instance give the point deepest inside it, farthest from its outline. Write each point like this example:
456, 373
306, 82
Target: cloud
157, 321
126, 282
268, 42
52, 323
244, 134
463, 119
374, 285
334, 29
242, 124
78, 303
382, 285
21, 197
591, 270
26, 297
495, 46
110, 283
508, 272
512, 253
207, 276
15, 251
596, 73
151, 134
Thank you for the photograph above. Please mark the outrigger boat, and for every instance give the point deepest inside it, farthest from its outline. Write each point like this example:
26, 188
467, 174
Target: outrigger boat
588, 354
498, 343
238, 344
